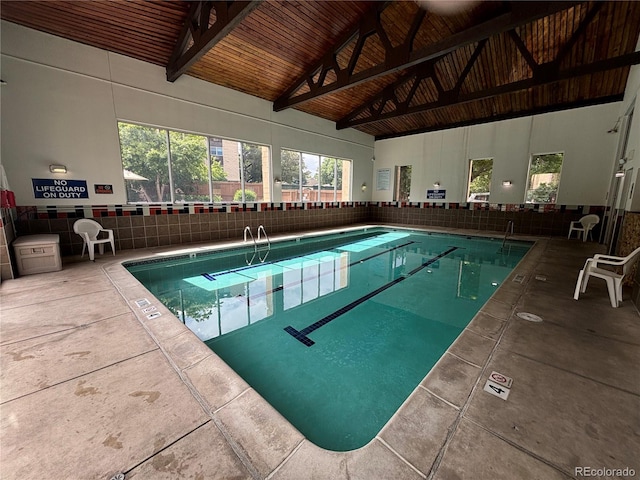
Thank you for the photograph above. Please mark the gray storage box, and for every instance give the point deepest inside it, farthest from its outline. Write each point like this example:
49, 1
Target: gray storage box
37, 254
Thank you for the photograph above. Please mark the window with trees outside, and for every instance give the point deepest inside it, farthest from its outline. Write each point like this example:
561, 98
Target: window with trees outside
162, 165
480, 171
314, 178
544, 178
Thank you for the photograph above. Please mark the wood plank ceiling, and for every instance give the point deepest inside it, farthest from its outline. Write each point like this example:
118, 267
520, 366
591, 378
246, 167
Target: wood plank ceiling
385, 68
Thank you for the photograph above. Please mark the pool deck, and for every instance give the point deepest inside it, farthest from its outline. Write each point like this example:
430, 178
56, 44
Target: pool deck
90, 387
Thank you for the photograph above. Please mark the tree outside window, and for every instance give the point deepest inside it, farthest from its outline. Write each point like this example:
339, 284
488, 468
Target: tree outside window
144, 157
310, 177
480, 171
189, 167
402, 187
544, 178
168, 166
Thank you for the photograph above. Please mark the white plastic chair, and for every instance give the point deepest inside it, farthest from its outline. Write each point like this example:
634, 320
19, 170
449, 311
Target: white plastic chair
584, 225
89, 230
613, 279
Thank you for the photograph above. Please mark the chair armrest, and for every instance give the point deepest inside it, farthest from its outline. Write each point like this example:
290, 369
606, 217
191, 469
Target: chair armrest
608, 259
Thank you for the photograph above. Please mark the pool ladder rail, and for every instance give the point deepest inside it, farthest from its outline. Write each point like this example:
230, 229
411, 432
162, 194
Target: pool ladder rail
248, 233
507, 233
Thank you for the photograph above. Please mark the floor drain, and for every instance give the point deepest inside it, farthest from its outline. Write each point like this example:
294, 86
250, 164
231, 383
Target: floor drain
530, 317
118, 476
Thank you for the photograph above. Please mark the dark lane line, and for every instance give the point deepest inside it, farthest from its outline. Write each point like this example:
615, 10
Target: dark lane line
301, 335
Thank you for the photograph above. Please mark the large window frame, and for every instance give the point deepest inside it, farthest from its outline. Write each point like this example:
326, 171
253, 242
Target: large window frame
162, 165
547, 167
312, 177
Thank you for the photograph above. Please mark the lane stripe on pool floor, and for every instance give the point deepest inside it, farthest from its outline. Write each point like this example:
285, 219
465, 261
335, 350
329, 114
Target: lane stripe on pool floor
301, 335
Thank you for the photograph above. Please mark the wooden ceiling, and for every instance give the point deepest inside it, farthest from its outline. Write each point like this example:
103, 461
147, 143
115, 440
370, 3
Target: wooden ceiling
385, 68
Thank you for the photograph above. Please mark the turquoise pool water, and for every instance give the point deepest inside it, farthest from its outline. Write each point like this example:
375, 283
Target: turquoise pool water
335, 332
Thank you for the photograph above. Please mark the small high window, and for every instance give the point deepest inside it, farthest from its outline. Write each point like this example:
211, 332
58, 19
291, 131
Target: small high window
544, 178
402, 186
480, 171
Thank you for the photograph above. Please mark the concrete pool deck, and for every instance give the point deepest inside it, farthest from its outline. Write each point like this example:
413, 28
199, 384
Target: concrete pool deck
90, 387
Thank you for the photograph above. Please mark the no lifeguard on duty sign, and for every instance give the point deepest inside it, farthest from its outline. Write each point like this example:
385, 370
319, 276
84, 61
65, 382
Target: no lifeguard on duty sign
54, 188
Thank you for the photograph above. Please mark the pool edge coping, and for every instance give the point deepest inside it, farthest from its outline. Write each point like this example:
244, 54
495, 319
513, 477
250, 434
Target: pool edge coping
184, 351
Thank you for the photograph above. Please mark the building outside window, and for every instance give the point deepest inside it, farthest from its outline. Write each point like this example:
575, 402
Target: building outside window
161, 165
543, 179
215, 147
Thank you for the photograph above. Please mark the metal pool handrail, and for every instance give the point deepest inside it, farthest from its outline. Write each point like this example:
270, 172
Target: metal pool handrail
261, 229
255, 245
506, 233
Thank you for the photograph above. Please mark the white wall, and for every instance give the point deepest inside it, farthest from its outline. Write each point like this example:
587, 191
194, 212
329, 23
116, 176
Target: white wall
444, 155
62, 100
632, 152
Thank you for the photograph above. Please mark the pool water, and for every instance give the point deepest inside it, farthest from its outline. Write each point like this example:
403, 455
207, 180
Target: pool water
335, 332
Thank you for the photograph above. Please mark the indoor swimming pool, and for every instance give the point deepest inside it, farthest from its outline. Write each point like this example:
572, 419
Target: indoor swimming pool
334, 331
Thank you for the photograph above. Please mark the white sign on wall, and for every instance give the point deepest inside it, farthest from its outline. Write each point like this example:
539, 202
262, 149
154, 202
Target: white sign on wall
383, 179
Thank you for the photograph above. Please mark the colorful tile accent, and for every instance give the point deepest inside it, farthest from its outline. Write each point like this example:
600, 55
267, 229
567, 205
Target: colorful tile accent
164, 224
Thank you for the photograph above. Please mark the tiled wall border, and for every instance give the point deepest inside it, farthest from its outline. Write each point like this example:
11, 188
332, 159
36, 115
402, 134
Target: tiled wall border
528, 219
98, 211
153, 225
497, 207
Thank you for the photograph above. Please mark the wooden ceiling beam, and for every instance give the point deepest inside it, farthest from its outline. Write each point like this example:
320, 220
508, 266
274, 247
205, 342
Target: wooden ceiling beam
555, 107
588, 18
196, 28
404, 56
542, 75
365, 27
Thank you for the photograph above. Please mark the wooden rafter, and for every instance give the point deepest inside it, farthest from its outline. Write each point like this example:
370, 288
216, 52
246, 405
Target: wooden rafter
553, 107
198, 36
385, 105
404, 55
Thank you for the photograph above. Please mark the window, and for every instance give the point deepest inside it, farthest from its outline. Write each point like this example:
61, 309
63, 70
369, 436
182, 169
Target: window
254, 162
544, 178
215, 147
308, 177
333, 174
189, 167
145, 153
479, 180
402, 186
168, 166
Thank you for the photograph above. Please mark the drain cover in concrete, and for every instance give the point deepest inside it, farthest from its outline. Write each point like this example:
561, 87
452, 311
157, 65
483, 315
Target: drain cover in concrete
530, 317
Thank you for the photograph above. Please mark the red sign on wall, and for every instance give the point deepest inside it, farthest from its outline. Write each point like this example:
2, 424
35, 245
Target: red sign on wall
103, 188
